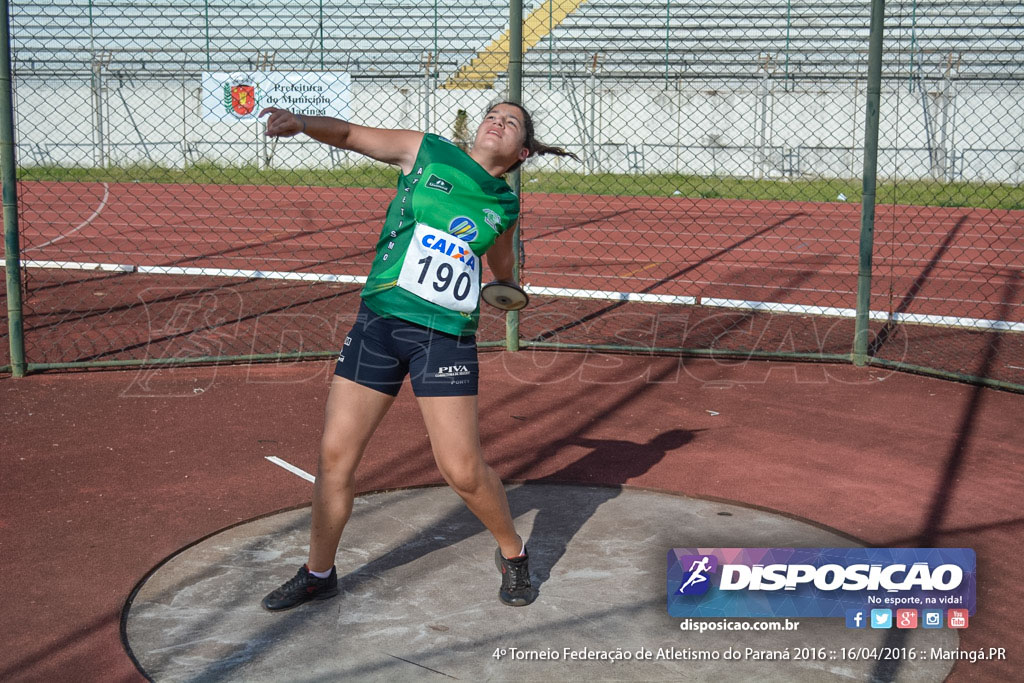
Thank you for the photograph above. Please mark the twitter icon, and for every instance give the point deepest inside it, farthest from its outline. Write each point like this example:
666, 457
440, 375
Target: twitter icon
881, 618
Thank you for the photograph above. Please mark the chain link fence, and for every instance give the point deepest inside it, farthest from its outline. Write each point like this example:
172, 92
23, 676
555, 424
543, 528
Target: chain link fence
717, 207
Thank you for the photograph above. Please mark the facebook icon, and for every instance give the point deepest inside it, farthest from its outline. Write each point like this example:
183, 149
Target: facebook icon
856, 618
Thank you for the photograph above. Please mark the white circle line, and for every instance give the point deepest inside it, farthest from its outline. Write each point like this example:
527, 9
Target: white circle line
87, 221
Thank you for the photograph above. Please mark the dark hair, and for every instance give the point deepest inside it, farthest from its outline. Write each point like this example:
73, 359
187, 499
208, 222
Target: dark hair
535, 146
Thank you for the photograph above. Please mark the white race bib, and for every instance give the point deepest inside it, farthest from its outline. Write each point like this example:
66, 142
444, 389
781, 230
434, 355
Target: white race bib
442, 269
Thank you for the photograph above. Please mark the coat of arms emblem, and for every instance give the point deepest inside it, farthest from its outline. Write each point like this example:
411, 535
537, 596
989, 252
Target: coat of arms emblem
240, 97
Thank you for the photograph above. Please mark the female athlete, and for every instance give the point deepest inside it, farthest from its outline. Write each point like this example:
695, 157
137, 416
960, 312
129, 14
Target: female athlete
418, 317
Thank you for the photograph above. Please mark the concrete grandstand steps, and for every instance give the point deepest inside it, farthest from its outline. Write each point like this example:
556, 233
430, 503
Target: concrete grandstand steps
725, 38
484, 69
814, 40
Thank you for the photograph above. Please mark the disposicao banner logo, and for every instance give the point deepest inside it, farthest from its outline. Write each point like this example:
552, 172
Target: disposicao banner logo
817, 582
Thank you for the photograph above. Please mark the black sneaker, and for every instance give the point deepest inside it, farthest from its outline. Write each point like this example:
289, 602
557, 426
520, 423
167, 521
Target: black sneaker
516, 589
301, 588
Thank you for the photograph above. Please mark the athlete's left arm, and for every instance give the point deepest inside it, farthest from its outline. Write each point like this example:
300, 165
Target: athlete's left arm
501, 256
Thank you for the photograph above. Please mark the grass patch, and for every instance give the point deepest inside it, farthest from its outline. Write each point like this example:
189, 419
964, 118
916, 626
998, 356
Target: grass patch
911, 192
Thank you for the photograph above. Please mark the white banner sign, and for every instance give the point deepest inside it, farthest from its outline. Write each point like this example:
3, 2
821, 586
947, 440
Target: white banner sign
241, 95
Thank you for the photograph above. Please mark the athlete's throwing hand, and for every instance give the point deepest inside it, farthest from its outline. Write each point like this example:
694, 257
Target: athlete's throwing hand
283, 123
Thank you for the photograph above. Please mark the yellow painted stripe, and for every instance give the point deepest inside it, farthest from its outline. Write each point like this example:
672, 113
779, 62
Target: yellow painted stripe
484, 69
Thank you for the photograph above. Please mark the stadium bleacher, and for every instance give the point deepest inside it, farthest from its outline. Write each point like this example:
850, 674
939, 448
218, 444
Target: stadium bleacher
637, 40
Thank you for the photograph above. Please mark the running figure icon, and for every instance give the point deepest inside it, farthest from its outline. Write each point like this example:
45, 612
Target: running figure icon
697, 569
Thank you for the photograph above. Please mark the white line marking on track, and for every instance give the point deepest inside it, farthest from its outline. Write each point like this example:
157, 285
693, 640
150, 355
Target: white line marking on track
743, 304
251, 274
75, 265
291, 468
611, 296
87, 221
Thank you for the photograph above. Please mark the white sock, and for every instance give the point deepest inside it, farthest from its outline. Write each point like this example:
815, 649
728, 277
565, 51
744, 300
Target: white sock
319, 575
521, 552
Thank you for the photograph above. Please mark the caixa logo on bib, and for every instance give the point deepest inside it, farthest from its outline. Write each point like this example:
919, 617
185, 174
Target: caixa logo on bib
816, 582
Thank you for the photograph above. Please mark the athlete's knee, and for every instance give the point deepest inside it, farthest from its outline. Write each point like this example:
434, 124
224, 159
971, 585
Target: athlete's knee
338, 456
467, 476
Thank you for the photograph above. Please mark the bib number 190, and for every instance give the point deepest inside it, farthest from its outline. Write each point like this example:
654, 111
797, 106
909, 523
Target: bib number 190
443, 276
442, 269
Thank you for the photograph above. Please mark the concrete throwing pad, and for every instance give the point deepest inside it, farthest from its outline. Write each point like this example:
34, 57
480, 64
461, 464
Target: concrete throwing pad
419, 599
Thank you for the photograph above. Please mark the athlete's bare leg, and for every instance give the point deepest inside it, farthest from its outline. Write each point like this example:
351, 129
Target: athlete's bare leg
454, 431
353, 413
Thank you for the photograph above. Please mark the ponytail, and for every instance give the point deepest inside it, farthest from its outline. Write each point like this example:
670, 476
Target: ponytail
531, 143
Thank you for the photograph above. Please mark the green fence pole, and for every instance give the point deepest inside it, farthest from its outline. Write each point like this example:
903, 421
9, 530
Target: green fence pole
9, 178
867, 214
515, 94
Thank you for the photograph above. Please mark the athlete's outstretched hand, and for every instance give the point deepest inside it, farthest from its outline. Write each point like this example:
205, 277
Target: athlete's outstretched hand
282, 123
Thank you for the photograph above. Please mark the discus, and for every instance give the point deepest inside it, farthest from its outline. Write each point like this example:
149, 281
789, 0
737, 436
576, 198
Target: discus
507, 296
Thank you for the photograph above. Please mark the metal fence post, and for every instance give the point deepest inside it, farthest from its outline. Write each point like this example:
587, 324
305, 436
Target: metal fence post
515, 94
8, 173
867, 217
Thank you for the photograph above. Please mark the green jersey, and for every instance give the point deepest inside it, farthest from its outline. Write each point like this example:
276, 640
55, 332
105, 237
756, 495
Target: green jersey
446, 215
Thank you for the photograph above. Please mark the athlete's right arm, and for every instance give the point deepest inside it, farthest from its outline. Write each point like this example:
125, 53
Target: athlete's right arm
398, 147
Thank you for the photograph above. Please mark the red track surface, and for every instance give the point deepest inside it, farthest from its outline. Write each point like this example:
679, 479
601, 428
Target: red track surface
106, 474
934, 261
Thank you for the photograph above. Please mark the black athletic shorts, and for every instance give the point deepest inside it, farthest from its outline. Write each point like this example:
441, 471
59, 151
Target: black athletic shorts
379, 352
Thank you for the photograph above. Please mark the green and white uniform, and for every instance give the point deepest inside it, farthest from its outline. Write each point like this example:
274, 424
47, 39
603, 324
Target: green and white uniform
446, 215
